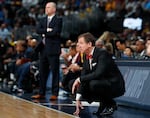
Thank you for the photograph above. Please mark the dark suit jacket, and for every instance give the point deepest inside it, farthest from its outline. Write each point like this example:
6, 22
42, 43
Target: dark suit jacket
52, 39
103, 68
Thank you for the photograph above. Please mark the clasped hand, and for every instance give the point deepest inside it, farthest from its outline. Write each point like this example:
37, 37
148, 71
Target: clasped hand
49, 29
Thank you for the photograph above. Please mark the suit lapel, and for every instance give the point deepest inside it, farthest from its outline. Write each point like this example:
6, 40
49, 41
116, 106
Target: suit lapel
86, 63
94, 60
94, 55
52, 21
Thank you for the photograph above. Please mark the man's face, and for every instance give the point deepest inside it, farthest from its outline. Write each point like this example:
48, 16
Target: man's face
49, 9
83, 46
147, 43
139, 46
128, 52
118, 45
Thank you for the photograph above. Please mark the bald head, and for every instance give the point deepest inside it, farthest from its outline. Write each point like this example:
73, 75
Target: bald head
50, 8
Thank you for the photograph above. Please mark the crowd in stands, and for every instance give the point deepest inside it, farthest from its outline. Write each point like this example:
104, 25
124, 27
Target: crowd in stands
103, 18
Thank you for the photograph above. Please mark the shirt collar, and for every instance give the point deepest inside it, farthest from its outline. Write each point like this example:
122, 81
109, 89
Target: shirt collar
91, 53
50, 17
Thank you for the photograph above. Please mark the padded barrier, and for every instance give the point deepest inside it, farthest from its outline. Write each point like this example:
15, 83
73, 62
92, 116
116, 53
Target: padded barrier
137, 79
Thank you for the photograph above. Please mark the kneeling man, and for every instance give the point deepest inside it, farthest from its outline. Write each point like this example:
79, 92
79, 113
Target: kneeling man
100, 77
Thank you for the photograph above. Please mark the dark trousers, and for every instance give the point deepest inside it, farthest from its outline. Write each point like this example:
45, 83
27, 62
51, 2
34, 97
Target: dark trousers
96, 90
22, 72
49, 63
68, 80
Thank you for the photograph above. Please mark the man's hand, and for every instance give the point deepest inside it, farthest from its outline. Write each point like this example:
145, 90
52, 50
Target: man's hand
76, 84
49, 29
74, 67
18, 62
65, 71
78, 107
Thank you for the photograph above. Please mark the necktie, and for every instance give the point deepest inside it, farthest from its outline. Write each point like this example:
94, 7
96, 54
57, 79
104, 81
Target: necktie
48, 21
89, 56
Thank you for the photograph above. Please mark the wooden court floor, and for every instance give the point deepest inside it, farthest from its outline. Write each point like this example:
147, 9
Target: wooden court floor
15, 107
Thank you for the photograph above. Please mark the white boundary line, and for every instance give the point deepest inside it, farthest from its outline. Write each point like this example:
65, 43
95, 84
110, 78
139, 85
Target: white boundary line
94, 104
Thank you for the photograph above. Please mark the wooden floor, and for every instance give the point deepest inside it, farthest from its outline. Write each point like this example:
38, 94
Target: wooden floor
20, 105
14, 107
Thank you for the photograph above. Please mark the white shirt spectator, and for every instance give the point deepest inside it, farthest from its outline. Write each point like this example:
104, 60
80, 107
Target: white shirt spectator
29, 3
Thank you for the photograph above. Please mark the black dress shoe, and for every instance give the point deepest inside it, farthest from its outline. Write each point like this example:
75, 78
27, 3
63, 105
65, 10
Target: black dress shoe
109, 110
100, 109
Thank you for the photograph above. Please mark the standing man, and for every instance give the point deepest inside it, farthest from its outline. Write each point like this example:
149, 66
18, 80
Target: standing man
49, 28
100, 77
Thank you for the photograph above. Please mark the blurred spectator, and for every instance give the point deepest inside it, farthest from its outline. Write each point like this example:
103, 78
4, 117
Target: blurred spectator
140, 49
2, 52
68, 57
29, 47
32, 12
147, 50
110, 8
146, 5
146, 29
2, 15
24, 71
72, 71
4, 32
128, 53
99, 43
121, 46
41, 14
68, 43
108, 38
29, 3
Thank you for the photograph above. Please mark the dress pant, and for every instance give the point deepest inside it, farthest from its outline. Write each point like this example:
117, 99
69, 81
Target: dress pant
68, 80
96, 90
49, 63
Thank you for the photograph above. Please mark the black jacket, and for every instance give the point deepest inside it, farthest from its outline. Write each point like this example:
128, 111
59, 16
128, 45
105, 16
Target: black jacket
52, 39
104, 68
